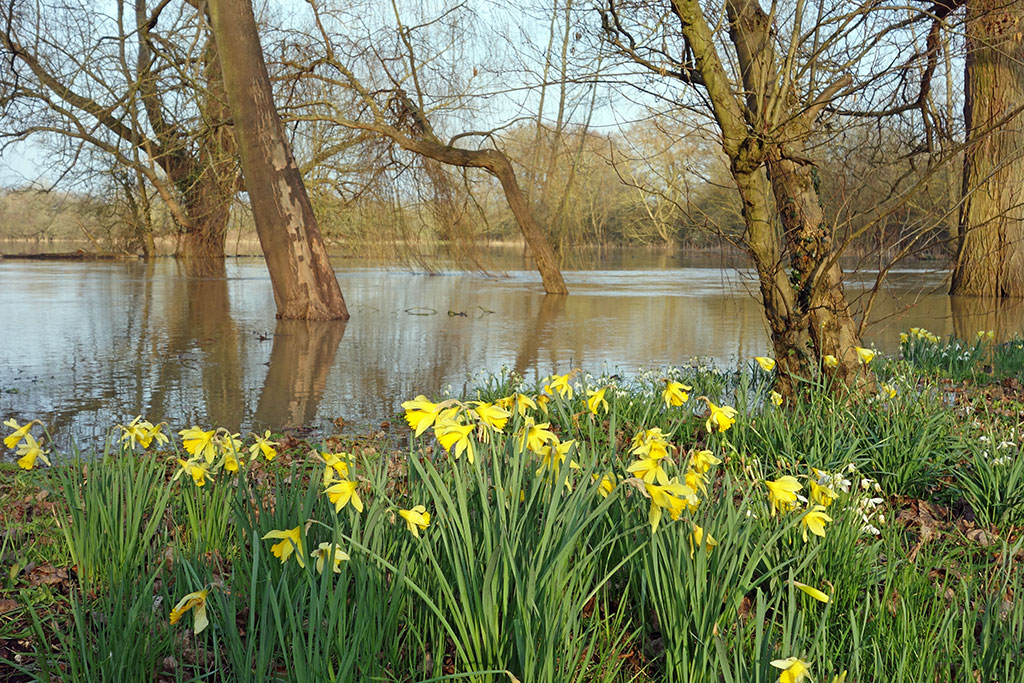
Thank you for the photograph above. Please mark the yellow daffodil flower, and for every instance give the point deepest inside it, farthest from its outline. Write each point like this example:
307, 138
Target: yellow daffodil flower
14, 438
986, 334
343, 492
553, 454
814, 521
776, 398
720, 417
782, 493
606, 485
697, 537
887, 390
560, 384
904, 337
337, 467
420, 413
195, 468
696, 480
524, 402
142, 432
812, 591
29, 451
822, 495
675, 393
195, 600
199, 443
492, 416
534, 436
459, 436
865, 356
330, 551
672, 497
542, 402
416, 519
830, 361
291, 541
263, 445
767, 364
595, 399
793, 670
703, 460
649, 470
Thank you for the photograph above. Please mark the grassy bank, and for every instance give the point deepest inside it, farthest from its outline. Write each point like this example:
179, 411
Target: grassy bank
587, 529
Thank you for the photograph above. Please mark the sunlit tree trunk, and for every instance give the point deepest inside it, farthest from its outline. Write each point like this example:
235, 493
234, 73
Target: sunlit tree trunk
304, 283
990, 249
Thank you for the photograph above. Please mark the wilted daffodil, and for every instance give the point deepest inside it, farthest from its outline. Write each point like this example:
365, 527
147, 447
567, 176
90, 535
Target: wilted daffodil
420, 413
263, 445
699, 537
330, 551
14, 438
29, 451
830, 361
195, 469
560, 384
814, 521
343, 492
595, 400
793, 670
812, 591
782, 493
195, 600
675, 393
199, 443
865, 356
720, 418
459, 436
291, 541
767, 364
416, 519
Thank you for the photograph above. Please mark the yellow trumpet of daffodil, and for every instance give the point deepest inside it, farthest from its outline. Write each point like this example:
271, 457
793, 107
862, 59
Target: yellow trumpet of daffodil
793, 670
649, 470
490, 415
30, 450
263, 445
822, 495
782, 493
291, 541
776, 398
767, 364
720, 417
534, 436
606, 485
333, 553
197, 600
672, 497
343, 492
14, 438
702, 461
698, 537
195, 469
337, 466
595, 400
458, 436
416, 519
814, 520
199, 443
675, 393
420, 413
553, 455
559, 384
143, 433
830, 361
865, 356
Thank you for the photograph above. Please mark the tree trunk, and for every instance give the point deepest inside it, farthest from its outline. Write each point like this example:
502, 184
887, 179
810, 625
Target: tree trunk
305, 286
990, 249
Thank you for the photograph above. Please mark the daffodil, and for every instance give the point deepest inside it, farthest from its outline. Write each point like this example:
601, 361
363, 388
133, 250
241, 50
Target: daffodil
29, 451
776, 398
329, 551
553, 455
782, 493
492, 416
606, 485
420, 413
263, 445
887, 390
197, 600
720, 418
986, 334
672, 497
595, 399
865, 356
814, 521
416, 519
703, 460
696, 480
698, 537
199, 443
650, 444
560, 384
649, 470
812, 591
14, 438
542, 402
904, 338
534, 436
194, 468
459, 436
343, 492
675, 393
793, 670
336, 467
830, 361
767, 364
142, 432
821, 494
291, 541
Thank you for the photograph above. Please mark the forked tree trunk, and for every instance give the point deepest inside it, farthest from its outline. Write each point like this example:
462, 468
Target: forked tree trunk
990, 244
305, 286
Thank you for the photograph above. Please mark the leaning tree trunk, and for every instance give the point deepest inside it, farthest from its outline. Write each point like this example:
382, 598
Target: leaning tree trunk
990, 245
304, 283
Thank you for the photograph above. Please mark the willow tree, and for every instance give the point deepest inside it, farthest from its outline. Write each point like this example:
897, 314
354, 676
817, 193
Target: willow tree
990, 242
303, 280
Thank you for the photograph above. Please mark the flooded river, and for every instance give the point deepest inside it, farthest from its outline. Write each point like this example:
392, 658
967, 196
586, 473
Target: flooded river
90, 344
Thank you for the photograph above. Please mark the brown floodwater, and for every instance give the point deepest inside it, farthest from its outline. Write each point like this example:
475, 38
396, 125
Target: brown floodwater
91, 344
